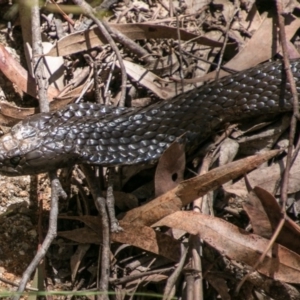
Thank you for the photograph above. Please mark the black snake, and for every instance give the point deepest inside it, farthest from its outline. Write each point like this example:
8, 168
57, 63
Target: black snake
94, 134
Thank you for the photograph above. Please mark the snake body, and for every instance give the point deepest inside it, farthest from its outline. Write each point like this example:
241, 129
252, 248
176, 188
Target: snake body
94, 134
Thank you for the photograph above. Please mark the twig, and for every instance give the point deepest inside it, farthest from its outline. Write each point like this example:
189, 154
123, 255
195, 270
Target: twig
110, 75
295, 116
65, 16
110, 202
130, 44
196, 248
12, 283
37, 57
104, 27
173, 278
57, 192
180, 52
293, 124
134, 277
224, 44
262, 257
96, 81
42, 83
100, 204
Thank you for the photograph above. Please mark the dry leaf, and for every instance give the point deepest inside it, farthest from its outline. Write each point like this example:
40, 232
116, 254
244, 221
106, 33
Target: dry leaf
77, 258
269, 178
11, 114
279, 264
124, 201
170, 168
19, 76
226, 7
264, 40
189, 190
251, 19
149, 80
142, 237
84, 40
290, 233
219, 284
259, 220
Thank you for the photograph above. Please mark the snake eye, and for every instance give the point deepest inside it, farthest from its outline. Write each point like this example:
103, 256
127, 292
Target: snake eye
15, 160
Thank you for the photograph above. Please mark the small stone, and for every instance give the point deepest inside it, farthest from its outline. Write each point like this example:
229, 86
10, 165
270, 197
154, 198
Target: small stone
32, 233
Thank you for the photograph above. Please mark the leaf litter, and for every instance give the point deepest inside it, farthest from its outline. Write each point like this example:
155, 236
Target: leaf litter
252, 31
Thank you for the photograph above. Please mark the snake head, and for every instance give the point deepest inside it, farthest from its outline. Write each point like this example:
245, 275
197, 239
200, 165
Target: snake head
16, 148
28, 150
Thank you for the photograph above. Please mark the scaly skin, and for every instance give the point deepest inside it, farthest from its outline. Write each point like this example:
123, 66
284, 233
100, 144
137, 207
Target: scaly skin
94, 134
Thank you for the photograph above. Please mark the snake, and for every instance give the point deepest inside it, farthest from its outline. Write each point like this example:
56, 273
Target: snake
89, 133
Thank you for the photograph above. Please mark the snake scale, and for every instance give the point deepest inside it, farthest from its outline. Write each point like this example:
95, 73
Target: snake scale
94, 134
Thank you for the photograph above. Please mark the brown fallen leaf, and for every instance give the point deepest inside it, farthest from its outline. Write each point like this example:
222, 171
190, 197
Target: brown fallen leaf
10, 114
189, 190
268, 178
149, 80
131, 286
76, 259
259, 219
265, 39
289, 236
84, 40
235, 243
170, 168
19, 76
124, 201
142, 237
250, 18
219, 284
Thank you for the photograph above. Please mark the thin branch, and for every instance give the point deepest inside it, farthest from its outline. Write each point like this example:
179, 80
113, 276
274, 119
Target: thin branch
57, 192
104, 27
291, 80
175, 275
292, 132
93, 183
37, 57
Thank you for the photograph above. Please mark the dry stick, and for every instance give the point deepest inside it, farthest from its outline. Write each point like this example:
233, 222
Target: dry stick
217, 65
141, 280
224, 44
197, 286
65, 16
201, 205
262, 257
180, 53
42, 84
12, 283
89, 12
41, 266
275, 289
196, 247
129, 44
195, 240
295, 116
110, 202
56, 192
285, 179
134, 277
100, 204
96, 81
189, 279
173, 278
109, 78
37, 58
